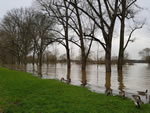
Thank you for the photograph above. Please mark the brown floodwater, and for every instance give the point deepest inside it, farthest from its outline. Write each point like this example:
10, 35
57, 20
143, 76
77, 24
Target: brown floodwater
134, 77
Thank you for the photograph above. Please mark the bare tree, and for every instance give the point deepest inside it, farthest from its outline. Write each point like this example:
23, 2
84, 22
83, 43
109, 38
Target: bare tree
44, 36
103, 14
62, 15
127, 10
68, 17
16, 25
79, 26
27, 31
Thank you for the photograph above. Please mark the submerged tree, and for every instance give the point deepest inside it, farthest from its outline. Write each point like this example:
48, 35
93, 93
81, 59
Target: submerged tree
26, 31
103, 14
44, 36
80, 27
62, 15
71, 19
127, 11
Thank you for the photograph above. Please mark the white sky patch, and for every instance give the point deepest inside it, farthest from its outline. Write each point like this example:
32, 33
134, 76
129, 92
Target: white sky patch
6, 5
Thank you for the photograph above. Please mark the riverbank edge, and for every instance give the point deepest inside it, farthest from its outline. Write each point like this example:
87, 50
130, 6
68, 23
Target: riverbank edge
19, 89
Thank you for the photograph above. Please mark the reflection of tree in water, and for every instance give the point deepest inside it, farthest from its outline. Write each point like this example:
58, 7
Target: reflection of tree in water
97, 72
108, 82
33, 68
47, 65
55, 68
120, 81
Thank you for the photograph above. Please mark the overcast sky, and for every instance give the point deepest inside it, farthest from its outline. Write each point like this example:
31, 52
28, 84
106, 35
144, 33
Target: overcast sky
142, 36
6, 5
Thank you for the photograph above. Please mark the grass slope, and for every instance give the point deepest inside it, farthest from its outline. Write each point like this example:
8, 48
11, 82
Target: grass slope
23, 93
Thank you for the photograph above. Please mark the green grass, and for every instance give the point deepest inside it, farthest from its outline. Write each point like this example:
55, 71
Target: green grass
23, 93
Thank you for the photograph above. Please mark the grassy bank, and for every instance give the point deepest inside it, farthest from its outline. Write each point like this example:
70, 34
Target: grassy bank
23, 93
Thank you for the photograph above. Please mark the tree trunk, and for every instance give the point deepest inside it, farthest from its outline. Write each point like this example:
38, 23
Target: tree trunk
121, 49
67, 47
108, 81
108, 59
40, 69
68, 75
25, 63
83, 54
18, 62
120, 80
25, 67
84, 81
120, 60
33, 61
66, 37
68, 58
40, 65
83, 61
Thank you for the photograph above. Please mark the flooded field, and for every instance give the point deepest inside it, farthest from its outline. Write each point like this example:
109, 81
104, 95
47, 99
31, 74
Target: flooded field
134, 78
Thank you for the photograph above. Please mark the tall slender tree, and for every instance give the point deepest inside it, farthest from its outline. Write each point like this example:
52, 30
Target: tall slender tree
127, 11
44, 36
62, 16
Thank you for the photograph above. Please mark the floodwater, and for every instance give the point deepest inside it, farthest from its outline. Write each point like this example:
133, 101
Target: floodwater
134, 78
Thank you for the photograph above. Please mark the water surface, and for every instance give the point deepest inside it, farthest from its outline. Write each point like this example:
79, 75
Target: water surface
134, 77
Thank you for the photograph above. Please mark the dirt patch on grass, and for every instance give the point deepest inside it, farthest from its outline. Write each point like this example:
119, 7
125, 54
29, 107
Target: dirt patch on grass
1, 111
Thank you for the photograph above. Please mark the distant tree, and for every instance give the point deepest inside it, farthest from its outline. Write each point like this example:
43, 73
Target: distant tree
49, 57
15, 29
126, 55
63, 57
145, 54
6, 54
25, 31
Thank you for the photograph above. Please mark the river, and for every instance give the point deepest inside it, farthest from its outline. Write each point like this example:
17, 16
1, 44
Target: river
134, 78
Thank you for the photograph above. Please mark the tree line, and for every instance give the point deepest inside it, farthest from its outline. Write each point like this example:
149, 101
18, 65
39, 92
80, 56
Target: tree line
29, 31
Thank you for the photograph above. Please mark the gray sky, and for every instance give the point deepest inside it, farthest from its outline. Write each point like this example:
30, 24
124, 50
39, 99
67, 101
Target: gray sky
6, 5
142, 36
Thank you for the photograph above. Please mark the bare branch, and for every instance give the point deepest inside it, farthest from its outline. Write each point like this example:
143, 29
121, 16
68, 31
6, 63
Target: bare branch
130, 35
